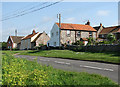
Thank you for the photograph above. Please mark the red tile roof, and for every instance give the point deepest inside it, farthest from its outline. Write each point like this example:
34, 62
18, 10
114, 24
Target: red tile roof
80, 27
113, 29
29, 36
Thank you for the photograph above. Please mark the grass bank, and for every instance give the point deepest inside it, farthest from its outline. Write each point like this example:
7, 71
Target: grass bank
16, 71
112, 57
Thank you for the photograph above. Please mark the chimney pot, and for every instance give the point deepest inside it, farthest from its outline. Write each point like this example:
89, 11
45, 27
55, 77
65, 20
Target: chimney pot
100, 24
88, 23
33, 32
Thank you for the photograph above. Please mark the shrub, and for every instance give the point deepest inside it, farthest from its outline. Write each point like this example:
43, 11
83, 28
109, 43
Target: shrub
22, 72
91, 41
78, 43
111, 38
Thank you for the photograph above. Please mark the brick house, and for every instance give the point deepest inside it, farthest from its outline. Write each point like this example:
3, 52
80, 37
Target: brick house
70, 33
34, 39
13, 42
114, 30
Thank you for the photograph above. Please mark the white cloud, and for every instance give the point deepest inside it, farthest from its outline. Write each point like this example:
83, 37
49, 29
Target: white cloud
70, 20
103, 12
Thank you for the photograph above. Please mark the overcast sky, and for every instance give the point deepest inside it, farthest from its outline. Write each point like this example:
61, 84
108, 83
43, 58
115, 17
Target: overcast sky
43, 20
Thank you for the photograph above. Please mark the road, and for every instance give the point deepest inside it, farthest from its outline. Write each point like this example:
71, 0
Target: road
109, 70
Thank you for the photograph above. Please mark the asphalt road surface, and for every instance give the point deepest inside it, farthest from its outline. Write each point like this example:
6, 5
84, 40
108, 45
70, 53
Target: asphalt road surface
109, 70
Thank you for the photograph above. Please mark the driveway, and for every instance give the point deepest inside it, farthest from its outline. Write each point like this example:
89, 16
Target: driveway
109, 70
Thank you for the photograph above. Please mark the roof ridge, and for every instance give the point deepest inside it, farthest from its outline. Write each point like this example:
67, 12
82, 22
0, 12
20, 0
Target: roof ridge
70, 23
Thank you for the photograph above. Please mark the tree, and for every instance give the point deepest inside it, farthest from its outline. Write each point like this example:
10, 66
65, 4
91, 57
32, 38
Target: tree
111, 38
4, 45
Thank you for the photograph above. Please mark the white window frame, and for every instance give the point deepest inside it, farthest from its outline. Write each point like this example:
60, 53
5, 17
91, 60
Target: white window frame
78, 33
102, 35
90, 34
68, 32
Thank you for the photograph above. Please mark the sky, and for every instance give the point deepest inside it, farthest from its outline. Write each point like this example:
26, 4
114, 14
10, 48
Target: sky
44, 19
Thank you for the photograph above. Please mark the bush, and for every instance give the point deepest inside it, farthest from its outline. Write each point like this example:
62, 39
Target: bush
111, 38
78, 43
14, 49
91, 41
22, 72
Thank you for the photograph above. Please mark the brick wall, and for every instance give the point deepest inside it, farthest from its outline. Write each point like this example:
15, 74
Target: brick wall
71, 38
42, 39
9, 44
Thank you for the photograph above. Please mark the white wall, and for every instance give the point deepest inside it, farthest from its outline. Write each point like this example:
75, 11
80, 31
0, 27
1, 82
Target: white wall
35, 36
54, 38
14, 45
86, 42
25, 44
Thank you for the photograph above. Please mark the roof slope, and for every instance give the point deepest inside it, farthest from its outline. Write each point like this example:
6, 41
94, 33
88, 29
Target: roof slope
113, 29
29, 36
16, 39
97, 27
37, 37
80, 27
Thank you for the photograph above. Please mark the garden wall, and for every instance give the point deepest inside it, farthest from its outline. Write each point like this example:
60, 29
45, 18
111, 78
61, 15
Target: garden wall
96, 48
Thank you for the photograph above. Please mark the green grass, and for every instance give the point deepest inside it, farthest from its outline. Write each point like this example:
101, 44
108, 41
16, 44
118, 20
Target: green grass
0, 67
112, 57
17, 71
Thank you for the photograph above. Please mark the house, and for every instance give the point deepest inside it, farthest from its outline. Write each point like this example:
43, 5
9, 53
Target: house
114, 30
13, 42
34, 39
70, 33
99, 29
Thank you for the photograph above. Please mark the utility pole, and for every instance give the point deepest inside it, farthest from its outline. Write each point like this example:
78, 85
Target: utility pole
16, 32
59, 18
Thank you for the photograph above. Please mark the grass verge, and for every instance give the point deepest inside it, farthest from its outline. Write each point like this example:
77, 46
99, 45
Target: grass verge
112, 57
16, 71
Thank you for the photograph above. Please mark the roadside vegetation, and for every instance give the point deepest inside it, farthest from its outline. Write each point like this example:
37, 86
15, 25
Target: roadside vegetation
112, 57
17, 71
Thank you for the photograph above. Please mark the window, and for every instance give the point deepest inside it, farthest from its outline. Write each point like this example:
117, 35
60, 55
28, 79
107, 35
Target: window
57, 33
68, 32
9, 42
68, 42
78, 33
8, 47
52, 34
90, 34
102, 35
54, 43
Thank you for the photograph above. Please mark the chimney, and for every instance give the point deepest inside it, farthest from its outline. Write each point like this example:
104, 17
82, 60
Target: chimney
100, 24
33, 32
15, 32
88, 23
